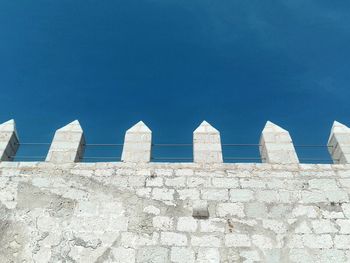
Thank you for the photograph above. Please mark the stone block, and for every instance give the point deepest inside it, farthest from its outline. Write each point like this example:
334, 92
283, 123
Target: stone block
187, 224
137, 144
230, 209
9, 141
173, 239
276, 145
339, 143
207, 144
182, 255
67, 145
163, 223
237, 240
241, 195
205, 241
200, 209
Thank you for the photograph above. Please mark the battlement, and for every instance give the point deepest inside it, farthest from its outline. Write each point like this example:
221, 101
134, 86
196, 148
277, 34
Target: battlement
275, 144
205, 211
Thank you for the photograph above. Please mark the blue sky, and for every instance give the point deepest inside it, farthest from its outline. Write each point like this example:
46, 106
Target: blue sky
172, 64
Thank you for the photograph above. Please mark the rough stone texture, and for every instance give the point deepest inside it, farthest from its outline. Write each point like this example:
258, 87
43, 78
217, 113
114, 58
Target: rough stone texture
67, 144
207, 144
276, 145
127, 212
8, 140
339, 143
137, 144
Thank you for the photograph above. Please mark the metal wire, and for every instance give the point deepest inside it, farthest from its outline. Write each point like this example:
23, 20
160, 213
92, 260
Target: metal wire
316, 159
240, 144
33, 143
103, 144
311, 145
242, 158
27, 157
171, 145
171, 158
100, 157
174, 144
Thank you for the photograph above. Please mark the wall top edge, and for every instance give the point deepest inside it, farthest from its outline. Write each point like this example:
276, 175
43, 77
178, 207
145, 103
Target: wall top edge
151, 165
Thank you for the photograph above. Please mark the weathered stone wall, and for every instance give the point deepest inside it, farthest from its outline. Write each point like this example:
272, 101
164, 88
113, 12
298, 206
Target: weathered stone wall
207, 211
123, 212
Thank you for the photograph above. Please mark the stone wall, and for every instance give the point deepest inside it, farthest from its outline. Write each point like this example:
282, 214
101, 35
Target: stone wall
117, 212
61, 210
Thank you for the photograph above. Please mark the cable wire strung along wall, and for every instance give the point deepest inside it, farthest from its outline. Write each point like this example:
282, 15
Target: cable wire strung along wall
275, 146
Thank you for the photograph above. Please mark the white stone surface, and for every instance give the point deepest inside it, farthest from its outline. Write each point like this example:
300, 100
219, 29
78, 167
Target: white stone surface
127, 212
276, 145
9, 142
173, 239
182, 255
207, 144
339, 143
187, 224
67, 144
137, 144
237, 240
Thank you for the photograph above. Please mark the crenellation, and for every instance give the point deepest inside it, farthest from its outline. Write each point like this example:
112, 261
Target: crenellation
142, 211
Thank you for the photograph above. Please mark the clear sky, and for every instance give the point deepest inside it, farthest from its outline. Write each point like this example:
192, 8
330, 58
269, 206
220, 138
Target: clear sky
172, 64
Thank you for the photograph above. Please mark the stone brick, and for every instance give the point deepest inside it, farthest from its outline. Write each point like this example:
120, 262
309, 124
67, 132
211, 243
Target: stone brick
151, 210
154, 182
252, 183
271, 196
346, 210
173, 239
208, 255
215, 194
163, 223
323, 226
133, 240
198, 181
303, 228
241, 195
175, 182
184, 172
182, 255
315, 196
205, 241
274, 225
323, 184
262, 242
123, 255
212, 225
250, 255
230, 209
152, 254
342, 241
191, 194
318, 241
256, 210
163, 194
344, 225
237, 240
186, 224
308, 211
225, 182
136, 181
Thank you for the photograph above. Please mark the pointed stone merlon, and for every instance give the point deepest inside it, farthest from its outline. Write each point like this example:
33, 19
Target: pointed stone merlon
9, 142
276, 145
339, 143
207, 144
67, 145
137, 144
